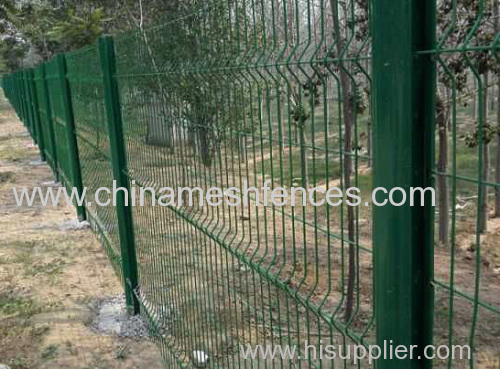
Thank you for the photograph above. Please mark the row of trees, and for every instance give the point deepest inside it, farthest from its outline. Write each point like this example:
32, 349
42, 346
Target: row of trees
35, 30
469, 24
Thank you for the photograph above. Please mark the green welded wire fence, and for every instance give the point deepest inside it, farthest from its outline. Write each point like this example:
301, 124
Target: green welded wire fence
49, 151
298, 93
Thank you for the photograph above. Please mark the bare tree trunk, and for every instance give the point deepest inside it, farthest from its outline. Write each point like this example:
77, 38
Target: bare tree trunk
474, 101
369, 141
204, 145
299, 126
303, 158
497, 169
242, 146
369, 125
263, 107
492, 98
156, 133
497, 166
442, 165
348, 115
483, 226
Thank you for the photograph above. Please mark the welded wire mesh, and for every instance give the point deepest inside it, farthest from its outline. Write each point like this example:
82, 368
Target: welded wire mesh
54, 78
251, 91
44, 113
87, 97
468, 178
86, 82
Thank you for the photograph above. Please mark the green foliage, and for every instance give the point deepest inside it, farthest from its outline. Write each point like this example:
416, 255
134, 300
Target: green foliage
17, 306
73, 31
300, 115
12, 51
32, 23
484, 34
12, 47
7, 9
489, 133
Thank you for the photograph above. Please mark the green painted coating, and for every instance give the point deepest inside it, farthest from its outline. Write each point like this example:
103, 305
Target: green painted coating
46, 119
29, 102
36, 115
404, 94
22, 90
118, 158
26, 102
70, 133
29, 111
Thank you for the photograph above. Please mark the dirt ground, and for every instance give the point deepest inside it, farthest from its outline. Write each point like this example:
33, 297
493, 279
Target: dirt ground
52, 275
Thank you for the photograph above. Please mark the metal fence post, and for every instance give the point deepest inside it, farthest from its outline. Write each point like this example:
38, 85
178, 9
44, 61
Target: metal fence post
404, 104
36, 115
22, 100
27, 105
70, 133
50, 125
45, 110
26, 112
29, 102
118, 157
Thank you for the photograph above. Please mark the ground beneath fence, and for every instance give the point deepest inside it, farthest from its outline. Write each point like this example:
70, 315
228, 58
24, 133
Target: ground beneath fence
60, 301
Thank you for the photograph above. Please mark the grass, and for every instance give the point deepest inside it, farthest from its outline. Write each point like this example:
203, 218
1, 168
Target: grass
4, 260
18, 363
23, 257
51, 269
13, 306
13, 153
467, 166
50, 352
319, 170
6, 177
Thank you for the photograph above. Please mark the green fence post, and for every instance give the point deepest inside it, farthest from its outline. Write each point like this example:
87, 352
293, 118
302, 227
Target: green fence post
29, 102
114, 119
20, 96
404, 103
50, 125
22, 101
70, 133
36, 115
24, 92
29, 106
29, 115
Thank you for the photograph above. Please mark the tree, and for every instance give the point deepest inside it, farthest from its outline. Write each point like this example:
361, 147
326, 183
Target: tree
496, 28
12, 51
13, 48
54, 26
189, 101
74, 31
454, 73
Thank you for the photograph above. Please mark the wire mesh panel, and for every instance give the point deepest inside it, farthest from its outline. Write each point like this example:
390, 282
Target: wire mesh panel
12, 88
27, 114
53, 78
64, 130
87, 95
35, 113
229, 92
467, 305
45, 117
